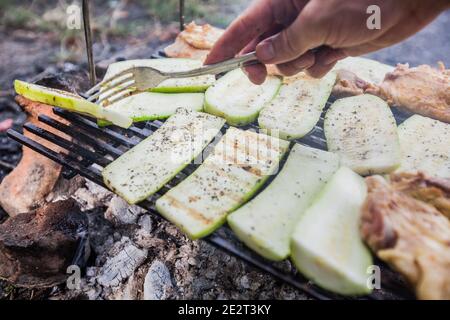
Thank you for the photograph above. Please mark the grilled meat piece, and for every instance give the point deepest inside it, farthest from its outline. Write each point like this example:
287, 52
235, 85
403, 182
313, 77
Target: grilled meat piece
434, 191
194, 42
182, 49
348, 84
201, 36
423, 90
410, 235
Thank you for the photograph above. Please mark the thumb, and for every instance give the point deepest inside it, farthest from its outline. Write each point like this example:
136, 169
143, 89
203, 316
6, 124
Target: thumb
305, 33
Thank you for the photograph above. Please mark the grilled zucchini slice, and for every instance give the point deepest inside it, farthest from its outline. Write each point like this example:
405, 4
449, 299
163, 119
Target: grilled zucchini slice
296, 109
363, 132
326, 246
193, 84
145, 169
425, 145
266, 223
70, 101
236, 99
239, 165
154, 105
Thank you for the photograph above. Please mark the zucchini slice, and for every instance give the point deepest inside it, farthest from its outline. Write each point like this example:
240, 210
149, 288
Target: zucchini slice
236, 99
425, 145
297, 108
147, 167
363, 132
239, 165
368, 70
266, 223
194, 84
326, 246
153, 105
70, 101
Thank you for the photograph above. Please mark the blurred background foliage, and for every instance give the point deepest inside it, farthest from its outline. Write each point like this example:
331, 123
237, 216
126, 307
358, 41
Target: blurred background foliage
112, 20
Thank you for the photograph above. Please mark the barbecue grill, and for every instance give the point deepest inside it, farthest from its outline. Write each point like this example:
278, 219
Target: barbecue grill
92, 147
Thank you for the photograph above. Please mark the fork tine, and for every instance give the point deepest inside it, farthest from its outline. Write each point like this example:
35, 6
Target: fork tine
106, 81
114, 86
119, 93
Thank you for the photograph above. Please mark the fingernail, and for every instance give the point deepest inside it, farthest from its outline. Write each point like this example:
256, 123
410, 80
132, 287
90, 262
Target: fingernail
266, 52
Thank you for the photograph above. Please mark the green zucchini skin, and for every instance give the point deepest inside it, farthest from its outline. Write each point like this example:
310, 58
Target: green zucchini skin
147, 167
147, 106
326, 245
188, 85
363, 132
296, 109
425, 145
266, 223
226, 179
236, 99
69, 101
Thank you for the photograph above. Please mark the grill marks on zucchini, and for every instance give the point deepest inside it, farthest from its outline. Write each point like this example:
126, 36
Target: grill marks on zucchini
266, 223
145, 169
296, 109
236, 99
239, 165
425, 145
363, 132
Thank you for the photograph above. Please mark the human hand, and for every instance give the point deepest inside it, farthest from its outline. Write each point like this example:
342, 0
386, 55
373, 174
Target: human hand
284, 32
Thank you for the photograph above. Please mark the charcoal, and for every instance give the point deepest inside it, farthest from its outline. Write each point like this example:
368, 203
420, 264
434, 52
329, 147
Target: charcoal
37, 247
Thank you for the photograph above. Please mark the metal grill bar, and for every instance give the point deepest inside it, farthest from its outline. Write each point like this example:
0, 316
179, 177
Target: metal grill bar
112, 142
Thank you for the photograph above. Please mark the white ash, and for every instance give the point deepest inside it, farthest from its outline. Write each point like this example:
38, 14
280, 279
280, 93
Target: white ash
92, 196
120, 212
157, 282
124, 259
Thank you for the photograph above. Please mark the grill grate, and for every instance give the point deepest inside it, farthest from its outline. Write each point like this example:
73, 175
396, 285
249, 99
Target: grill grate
92, 148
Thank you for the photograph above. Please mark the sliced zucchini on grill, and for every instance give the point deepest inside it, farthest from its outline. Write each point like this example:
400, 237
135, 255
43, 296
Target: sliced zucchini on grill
266, 223
363, 132
239, 165
238, 100
69, 101
297, 108
152, 105
145, 169
193, 84
425, 145
326, 245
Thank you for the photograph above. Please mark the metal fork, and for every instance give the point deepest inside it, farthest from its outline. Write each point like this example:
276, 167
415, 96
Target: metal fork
140, 79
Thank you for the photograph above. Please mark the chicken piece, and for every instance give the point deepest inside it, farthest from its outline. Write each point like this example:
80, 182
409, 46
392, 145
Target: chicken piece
356, 74
182, 49
423, 90
434, 191
194, 42
410, 235
201, 36
348, 84
26, 187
